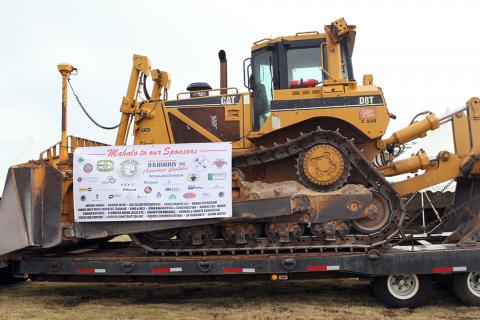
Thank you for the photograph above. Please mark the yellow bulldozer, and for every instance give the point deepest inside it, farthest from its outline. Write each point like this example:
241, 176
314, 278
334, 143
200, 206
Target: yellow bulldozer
309, 164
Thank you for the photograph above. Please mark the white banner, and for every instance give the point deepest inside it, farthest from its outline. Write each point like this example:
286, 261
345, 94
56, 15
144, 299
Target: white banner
153, 182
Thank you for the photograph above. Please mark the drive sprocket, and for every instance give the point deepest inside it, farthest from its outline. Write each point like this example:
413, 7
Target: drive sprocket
323, 168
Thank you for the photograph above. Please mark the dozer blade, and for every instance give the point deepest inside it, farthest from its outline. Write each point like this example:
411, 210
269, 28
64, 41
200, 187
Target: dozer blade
466, 222
30, 208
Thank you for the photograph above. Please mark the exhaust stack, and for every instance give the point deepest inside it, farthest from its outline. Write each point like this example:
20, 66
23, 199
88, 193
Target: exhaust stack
223, 72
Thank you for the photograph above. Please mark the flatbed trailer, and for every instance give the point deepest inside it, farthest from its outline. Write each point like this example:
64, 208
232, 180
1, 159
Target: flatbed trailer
401, 276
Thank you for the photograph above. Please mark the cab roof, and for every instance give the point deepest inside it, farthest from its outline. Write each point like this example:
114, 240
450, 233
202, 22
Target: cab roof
308, 35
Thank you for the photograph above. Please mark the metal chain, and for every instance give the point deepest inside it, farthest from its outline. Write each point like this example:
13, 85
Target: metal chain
448, 213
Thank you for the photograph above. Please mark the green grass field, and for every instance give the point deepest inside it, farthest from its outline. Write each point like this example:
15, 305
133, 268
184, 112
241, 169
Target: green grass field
325, 299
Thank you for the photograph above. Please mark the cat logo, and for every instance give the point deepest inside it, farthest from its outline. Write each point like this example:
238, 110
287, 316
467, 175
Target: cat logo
228, 100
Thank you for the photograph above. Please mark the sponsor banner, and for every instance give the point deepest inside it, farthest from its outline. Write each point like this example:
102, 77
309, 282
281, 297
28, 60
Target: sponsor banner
153, 182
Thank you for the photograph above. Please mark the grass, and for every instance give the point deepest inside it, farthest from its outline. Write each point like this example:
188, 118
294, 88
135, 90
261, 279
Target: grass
325, 299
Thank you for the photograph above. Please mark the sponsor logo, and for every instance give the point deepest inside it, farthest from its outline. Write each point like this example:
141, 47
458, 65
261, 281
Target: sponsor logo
141, 197
87, 167
147, 189
129, 189
172, 196
83, 198
128, 184
205, 195
150, 182
367, 113
161, 164
219, 163
193, 187
80, 160
221, 194
200, 163
110, 180
159, 195
217, 176
112, 196
87, 179
129, 169
105, 165
85, 189
189, 195
192, 177
172, 189
217, 187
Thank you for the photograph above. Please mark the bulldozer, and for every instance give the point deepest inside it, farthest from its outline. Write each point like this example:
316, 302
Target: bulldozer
309, 167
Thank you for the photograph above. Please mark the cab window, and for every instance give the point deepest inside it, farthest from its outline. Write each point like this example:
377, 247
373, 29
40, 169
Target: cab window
262, 65
304, 64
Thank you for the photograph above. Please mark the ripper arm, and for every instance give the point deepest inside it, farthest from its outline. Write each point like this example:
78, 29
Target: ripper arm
447, 165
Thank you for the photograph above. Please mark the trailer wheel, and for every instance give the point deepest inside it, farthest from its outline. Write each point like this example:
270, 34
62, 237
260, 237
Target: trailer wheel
403, 290
467, 287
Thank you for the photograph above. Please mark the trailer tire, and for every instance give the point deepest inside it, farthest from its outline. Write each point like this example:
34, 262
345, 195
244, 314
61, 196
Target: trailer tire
403, 291
467, 287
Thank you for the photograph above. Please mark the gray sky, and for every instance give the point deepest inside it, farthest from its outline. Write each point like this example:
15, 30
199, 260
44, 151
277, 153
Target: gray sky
424, 54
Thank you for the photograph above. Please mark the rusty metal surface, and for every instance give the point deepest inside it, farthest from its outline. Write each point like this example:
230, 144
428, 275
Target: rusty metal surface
182, 133
226, 130
466, 221
12, 225
30, 207
347, 203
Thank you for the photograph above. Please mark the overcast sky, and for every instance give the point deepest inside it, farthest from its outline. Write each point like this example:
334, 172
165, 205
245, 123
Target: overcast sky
424, 54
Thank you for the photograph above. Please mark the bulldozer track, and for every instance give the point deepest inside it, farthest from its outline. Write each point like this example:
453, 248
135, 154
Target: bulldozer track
291, 148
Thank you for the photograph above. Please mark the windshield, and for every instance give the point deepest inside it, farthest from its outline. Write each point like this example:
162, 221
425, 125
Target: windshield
304, 64
262, 87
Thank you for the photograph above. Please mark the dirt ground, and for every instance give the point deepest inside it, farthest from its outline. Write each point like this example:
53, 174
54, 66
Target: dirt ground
323, 299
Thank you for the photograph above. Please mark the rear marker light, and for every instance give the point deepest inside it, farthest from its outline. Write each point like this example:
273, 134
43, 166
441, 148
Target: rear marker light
238, 270
88, 271
322, 268
449, 269
166, 270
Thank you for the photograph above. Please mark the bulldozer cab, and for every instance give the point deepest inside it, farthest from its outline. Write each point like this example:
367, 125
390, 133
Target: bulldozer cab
281, 65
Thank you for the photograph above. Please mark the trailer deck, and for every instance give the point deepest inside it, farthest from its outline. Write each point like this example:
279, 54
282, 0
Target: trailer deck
132, 262
394, 271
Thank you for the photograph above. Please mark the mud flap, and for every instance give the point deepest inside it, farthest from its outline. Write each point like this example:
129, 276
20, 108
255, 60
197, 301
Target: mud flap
30, 208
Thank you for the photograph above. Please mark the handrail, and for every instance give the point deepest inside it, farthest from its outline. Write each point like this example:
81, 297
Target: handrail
256, 43
207, 90
306, 32
72, 143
